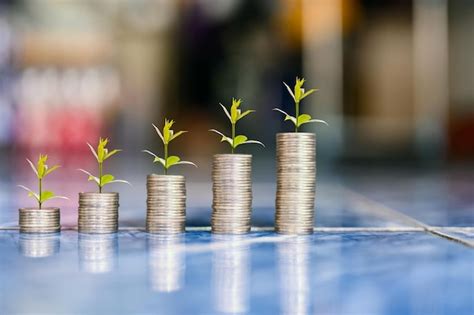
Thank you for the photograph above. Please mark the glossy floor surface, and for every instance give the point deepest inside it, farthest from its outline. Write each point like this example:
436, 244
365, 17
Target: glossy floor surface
382, 245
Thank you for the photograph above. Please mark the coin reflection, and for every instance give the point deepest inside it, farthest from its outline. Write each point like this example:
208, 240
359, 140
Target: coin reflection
230, 275
98, 252
293, 265
39, 245
166, 262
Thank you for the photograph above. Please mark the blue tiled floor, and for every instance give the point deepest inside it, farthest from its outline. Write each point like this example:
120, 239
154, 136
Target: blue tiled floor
326, 273
381, 246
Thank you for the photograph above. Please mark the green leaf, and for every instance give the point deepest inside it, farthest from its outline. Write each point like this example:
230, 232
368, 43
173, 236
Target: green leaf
308, 93
93, 151
31, 193
186, 163
172, 160
240, 139
33, 167
303, 118
226, 112
159, 132
157, 158
224, 138
91, 177
176, 135
289, 90
52, 169
246, 113
287, 117
109, 154
120, 181
46, 195
254, 142
106, 178
316, 121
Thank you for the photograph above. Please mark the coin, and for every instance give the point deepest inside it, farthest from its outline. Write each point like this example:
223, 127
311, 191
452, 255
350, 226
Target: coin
232, 193
98, 213
166, 204
296, 182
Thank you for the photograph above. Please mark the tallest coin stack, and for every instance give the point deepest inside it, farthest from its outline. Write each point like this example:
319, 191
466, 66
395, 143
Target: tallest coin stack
296, 181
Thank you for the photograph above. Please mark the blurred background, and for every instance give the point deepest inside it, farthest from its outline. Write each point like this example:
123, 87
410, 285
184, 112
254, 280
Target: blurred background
394, 77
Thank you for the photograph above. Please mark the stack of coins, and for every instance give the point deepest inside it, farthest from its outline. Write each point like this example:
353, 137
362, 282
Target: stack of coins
98, 253
166, 204
98, 212
39, 245
232, 193
296, 181
44, 220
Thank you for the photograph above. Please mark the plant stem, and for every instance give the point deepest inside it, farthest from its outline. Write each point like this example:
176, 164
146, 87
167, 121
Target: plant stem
166, 159
100, 177
297, 114
40, 191
233, 136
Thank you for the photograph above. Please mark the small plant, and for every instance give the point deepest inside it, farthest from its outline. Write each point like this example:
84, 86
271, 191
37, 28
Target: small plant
101, 155
41, 170
166, 137
298, 95
234, 116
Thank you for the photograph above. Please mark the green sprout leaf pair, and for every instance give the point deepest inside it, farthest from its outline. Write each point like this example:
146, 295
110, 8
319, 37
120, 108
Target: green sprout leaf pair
234, 116
41, 170
298, 94
166, 136
101, 155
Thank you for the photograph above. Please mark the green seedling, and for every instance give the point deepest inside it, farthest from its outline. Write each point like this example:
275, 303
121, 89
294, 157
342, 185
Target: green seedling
41, 170
234, 116
101, 155
166, 137
298, 95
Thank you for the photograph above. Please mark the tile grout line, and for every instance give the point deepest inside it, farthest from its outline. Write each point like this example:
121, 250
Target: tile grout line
381, 209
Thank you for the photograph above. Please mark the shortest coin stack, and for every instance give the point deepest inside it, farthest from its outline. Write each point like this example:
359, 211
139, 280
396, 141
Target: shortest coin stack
166, 204
232, 193
98, 212
45, 220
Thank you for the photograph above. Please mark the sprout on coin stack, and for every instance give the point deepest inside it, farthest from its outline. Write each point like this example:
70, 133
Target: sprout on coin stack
166, 194
98, 211
40, 219
231, 179
296, 170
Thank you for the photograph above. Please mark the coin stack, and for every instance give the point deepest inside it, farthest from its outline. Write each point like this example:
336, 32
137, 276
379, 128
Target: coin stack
296, 181
232, 193
166, 204
98, 212
44, 220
